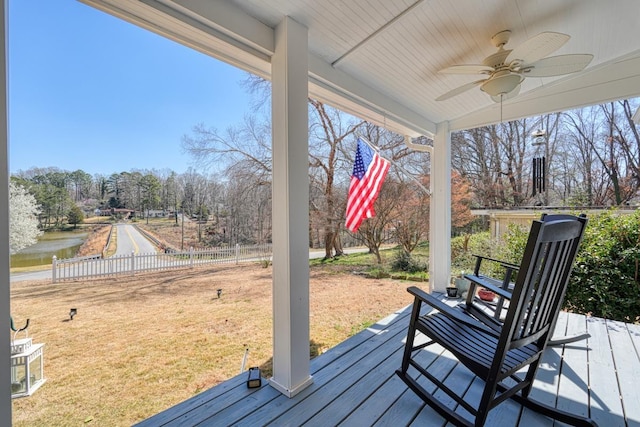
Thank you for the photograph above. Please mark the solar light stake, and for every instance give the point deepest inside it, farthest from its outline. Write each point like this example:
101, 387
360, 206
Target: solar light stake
219, 292
73, 312
244, 359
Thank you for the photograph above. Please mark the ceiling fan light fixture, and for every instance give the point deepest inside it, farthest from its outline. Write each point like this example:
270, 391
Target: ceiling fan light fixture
501, 84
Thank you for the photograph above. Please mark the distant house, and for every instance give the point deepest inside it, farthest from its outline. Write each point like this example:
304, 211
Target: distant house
124, 213
156, 213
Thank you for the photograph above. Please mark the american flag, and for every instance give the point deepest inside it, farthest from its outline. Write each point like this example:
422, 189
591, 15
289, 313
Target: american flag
369, 171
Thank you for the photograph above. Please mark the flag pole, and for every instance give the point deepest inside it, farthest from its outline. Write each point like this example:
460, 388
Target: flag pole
377, 150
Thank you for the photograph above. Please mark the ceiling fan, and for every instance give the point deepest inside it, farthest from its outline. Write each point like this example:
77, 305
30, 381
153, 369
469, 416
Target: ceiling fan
506, 69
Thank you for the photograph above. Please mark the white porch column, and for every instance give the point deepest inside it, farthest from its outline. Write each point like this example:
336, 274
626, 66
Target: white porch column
440, 212
290, 88
5, 306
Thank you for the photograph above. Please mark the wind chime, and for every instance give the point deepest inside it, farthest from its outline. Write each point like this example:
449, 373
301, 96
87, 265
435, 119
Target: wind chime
539, 164
539, 170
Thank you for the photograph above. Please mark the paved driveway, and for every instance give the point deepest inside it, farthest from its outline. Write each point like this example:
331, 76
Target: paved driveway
129, 239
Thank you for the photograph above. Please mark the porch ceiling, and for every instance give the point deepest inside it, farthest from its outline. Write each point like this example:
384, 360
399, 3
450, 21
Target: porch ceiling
378, 59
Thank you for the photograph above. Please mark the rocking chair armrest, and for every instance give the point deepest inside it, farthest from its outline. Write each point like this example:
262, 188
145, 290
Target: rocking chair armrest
499, 286
490, 284
505, 264
449, 311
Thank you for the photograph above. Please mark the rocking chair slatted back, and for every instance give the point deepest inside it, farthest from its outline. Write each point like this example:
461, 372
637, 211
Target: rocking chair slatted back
542, 280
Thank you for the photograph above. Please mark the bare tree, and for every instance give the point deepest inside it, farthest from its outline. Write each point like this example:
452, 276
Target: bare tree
243, 155
373, 232
624, 150
607, 141
476, 156
411, 219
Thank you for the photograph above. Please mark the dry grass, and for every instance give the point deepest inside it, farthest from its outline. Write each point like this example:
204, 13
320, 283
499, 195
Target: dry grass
175, 235
139, 345
96, 242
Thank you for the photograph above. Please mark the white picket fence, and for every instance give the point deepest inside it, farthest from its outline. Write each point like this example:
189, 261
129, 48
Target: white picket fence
96, 267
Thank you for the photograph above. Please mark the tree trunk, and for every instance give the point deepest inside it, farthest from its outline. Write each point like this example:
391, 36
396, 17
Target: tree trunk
337, 244
328, 244
376, 252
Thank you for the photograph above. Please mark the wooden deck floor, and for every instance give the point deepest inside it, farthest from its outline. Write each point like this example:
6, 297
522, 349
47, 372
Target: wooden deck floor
355, 385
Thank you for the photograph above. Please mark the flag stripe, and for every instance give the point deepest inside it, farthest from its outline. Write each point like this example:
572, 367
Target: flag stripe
365, 185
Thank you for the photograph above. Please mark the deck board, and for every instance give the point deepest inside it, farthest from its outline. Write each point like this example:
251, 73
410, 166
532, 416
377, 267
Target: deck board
335, 388
374, 407
573, 391
626, 363
606, 408
403, 410
546, 386
346, 399
354, 384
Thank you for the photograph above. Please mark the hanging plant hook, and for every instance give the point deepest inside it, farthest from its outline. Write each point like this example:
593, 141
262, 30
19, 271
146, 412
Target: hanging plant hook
16, 330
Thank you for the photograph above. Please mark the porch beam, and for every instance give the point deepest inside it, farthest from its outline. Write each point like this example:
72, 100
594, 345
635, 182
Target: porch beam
290, 124
440, 212
341, 90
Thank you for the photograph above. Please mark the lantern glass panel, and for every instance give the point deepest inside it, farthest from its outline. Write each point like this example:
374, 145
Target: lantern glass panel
18, 378
35, 369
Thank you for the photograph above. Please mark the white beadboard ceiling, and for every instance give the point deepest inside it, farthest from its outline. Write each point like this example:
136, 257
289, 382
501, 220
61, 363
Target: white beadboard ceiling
379, 59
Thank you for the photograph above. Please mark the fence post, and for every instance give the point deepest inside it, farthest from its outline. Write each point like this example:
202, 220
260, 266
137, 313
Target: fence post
133, 263
237, 253
191, 256
53, 269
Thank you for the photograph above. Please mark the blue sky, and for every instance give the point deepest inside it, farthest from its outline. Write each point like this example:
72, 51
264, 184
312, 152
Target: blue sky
89, 91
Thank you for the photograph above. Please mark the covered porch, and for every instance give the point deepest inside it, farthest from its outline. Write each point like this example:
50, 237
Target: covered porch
377, 60
354, 384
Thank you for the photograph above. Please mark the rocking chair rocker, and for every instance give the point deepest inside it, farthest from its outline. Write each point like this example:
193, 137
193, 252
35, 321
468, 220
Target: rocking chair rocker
496, 353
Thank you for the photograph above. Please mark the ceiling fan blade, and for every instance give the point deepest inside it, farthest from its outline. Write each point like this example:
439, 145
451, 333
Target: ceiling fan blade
506, 96
537, 47
467, 69
459, 90
557, 65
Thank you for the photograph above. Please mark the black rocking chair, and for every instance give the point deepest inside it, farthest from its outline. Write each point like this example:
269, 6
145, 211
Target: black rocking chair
492, 312
496, 353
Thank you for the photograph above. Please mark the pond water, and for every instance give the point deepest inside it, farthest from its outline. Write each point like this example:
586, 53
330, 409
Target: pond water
62, 244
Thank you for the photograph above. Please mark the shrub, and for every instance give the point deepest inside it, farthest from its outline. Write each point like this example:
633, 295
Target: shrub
463, 249
515, 240
605, 280
403, 261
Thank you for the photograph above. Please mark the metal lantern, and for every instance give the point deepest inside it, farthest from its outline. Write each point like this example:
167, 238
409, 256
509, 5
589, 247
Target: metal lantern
27, 367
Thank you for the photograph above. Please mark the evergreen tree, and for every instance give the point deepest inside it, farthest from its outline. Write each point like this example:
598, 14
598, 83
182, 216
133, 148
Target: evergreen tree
75, 216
